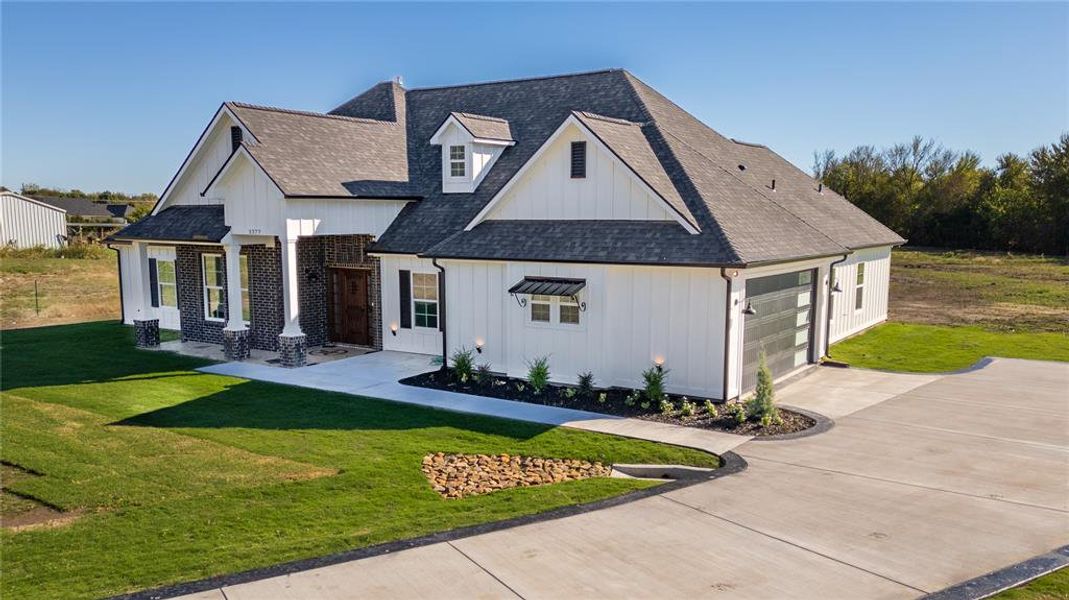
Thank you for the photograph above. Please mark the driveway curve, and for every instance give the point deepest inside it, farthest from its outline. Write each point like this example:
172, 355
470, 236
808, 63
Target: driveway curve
924, 482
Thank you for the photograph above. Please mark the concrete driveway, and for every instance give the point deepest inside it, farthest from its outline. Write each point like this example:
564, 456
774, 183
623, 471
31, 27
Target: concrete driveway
925, 481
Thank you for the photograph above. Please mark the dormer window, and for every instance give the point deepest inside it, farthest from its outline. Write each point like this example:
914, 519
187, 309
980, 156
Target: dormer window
471, 144
457, 161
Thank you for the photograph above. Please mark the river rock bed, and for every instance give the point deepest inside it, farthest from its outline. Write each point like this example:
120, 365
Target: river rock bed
461, 475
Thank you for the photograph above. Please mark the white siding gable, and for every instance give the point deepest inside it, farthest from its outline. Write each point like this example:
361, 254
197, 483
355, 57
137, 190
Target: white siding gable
610, 190
203, 165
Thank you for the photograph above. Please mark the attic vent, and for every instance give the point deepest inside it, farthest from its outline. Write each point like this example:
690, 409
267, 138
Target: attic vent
742, 167
578, 160
235, 137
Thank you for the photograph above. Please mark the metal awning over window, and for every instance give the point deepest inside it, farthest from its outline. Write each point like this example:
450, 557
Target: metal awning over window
549, 286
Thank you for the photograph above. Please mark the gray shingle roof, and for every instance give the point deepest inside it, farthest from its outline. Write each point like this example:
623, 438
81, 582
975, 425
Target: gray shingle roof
487, 128
626, 140
181, 223
311, 154
377, 144
78, 207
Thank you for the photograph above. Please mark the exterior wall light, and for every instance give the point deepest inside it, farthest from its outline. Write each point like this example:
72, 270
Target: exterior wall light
838, 288
393, 328
749, 310
658, 361
479, 343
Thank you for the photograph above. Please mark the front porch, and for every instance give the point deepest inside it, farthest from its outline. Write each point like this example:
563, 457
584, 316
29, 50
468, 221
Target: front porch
315, 355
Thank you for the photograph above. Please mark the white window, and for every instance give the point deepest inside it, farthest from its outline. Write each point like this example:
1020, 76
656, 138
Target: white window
457, 161
214, 266
425, 299
214, 294
554, 309
859, 290
165, 281
569, 311
541, 309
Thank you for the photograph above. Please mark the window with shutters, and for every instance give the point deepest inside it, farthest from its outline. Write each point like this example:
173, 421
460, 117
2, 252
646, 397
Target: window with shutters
425, 299
166, 283
578, 160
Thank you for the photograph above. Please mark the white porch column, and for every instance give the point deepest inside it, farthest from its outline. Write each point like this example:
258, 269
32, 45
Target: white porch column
146, 325
292, 343
290, 296
232, 251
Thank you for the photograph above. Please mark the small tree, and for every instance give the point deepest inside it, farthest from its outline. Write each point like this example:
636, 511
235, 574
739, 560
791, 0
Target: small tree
762, 406
586, 384
538, 374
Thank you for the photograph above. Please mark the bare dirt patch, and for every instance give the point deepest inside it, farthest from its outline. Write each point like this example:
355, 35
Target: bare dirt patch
460, 475
19, 512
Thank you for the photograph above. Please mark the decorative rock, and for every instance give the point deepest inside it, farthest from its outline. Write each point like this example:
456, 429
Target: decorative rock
460, 475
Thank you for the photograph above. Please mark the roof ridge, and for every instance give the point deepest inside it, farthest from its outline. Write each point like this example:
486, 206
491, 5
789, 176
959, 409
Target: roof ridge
518, 80
608, 119
481, 117
308, 113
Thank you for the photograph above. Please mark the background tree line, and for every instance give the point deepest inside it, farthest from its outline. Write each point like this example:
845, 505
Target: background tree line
933, 196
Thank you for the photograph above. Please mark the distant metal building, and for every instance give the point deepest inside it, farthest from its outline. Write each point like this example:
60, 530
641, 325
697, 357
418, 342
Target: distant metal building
25, 222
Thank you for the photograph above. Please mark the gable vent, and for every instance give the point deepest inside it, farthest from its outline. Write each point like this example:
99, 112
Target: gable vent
235, 137
578, 160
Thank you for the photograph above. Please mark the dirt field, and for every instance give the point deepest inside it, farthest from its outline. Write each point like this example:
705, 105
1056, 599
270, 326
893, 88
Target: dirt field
997, 291
70, 290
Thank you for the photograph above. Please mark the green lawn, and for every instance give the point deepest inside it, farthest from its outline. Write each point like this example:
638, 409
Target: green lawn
933, 348
1054, 586
181, 475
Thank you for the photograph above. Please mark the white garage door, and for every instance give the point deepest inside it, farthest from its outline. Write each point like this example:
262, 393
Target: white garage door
781, 326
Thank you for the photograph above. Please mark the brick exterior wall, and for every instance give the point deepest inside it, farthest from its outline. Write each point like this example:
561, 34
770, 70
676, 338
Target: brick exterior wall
317, 254
265, 295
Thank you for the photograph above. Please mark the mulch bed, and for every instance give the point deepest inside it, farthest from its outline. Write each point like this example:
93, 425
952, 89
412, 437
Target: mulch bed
507, 388
460, 475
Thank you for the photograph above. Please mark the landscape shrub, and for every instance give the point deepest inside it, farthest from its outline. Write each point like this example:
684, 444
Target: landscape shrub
538, 374
762, 406
737, 411
603, 398
667, 407
687, 408
482, 373
463, 363
711, 409
654, 378
586, 384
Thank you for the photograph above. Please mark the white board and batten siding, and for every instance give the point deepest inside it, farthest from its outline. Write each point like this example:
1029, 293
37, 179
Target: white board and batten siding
26, 223
128, 269
202, 168
610, 191
634, 316
421, 340
846, 319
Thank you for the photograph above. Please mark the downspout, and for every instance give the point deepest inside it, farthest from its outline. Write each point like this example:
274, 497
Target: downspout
122, 301
827, 322
727, 329
441, 312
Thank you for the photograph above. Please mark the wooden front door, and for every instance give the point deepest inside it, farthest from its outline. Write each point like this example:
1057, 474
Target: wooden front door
348, 315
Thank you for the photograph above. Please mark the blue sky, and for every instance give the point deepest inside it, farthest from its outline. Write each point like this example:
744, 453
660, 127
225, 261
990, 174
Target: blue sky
112, 96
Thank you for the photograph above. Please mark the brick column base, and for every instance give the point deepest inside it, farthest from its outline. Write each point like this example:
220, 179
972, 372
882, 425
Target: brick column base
236, 344
292, 350
147, 333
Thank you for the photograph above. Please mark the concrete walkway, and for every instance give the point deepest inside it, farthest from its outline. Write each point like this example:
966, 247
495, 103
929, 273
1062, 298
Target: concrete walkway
376, 375
947, 478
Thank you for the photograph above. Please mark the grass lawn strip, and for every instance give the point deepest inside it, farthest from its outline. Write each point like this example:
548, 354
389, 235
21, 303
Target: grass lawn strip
920, 348
1052, 586
204, 475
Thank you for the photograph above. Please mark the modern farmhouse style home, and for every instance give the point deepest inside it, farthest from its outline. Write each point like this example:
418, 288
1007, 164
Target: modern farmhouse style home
583, 217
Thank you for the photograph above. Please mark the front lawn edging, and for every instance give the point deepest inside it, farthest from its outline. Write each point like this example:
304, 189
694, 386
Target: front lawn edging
731, 464
822, 425
1005, 578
